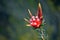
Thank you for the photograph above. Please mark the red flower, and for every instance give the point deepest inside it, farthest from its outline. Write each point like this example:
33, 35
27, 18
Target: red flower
35, 21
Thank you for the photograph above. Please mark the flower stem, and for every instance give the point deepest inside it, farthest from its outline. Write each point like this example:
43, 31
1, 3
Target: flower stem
42, 34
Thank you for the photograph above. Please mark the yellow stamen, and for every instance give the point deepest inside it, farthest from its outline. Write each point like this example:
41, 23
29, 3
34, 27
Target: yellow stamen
26, 20
28, 25
30, 13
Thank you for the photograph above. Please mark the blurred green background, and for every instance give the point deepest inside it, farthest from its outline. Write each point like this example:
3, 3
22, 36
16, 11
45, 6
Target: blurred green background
13, 12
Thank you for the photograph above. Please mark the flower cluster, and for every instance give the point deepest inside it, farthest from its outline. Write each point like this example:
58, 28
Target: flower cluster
35, 21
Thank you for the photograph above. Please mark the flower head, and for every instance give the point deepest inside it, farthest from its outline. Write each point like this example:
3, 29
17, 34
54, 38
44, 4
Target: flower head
35, 21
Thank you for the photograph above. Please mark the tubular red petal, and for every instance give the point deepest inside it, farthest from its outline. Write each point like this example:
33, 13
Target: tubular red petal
39, 11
